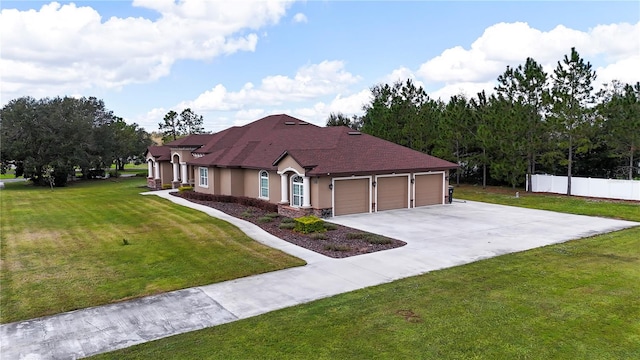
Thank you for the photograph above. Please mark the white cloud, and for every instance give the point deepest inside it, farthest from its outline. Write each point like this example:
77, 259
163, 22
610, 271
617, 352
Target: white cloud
244, 117
350, 105
68, 48
300, 18
309, 82
151, 119
613, 50
468, 89
626, 70
401, 74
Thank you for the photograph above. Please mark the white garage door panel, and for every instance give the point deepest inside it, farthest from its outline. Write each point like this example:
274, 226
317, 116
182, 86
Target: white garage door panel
351, 196
393, 192
429, 189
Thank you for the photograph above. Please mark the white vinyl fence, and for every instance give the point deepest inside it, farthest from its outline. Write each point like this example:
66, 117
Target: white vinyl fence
600, 188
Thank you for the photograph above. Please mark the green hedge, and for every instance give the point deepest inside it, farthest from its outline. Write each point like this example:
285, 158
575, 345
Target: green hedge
309, 224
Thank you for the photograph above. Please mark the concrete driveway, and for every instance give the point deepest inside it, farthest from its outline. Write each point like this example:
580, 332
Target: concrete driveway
463, 232
437, 237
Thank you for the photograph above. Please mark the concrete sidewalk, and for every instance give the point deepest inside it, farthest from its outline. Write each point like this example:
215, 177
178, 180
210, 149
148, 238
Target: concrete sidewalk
100, 329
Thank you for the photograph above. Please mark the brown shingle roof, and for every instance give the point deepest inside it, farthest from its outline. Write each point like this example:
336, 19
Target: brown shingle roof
193, 140
160, 153
321, 150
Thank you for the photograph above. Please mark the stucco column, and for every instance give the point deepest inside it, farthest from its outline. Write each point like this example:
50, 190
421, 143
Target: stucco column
175, 172
150, 169
157, 166
306, 192
185, 178
284, 188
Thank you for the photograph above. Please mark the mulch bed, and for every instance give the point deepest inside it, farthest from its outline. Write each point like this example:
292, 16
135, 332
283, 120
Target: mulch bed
338, 243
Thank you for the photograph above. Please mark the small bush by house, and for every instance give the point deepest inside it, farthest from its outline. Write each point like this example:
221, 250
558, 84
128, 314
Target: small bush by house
309, 224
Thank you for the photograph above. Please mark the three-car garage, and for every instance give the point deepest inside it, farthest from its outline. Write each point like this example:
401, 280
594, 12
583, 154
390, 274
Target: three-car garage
361, 194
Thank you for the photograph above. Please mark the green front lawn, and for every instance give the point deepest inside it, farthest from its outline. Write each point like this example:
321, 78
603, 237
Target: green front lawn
9, 175
65, 249
626, 210
576, 300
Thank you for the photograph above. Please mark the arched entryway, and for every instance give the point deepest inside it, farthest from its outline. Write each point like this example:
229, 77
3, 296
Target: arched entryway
296, 184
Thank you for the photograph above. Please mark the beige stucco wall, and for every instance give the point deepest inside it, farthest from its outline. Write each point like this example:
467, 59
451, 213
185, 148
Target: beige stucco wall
185, 155
288, 162
211, 180
320, 192
252, 183
166, 172
231, 182
274, 187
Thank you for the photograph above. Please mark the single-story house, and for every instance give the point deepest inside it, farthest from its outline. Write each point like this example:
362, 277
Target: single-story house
304, 168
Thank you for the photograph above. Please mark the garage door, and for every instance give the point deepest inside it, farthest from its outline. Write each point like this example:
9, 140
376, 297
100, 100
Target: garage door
351, 196
429, 189
393, 192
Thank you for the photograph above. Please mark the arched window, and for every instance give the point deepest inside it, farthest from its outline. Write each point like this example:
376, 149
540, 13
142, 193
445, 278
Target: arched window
264, 184
297, 193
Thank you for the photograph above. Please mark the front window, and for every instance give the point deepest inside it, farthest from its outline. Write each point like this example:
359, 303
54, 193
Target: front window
264, 184
204, 177
297, 193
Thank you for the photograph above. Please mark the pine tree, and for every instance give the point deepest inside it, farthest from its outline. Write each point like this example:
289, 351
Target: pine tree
571, 111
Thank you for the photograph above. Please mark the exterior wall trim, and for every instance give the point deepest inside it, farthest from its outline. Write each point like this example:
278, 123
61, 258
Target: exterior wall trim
287, 170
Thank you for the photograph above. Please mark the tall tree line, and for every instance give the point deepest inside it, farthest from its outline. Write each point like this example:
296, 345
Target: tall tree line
534, 122
48, 139
176, 125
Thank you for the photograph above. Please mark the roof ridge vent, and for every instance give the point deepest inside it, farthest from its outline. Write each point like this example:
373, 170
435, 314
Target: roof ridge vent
289, 122
354, 133
303, 123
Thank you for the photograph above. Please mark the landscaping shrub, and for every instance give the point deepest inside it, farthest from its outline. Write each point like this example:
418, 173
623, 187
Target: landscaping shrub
246, 201
260, 204
330, 226
358, 235
287, 225
185, 188
288, 220
265, 219
247, 213
166, 186
318, 236
370, 238
272, 215
337, 247
378, 239
309, 224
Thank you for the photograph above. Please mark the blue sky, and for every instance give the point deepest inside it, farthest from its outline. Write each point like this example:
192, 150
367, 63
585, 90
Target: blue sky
236, 61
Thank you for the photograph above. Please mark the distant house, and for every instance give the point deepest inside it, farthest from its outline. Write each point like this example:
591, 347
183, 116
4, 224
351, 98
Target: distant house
304, 168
